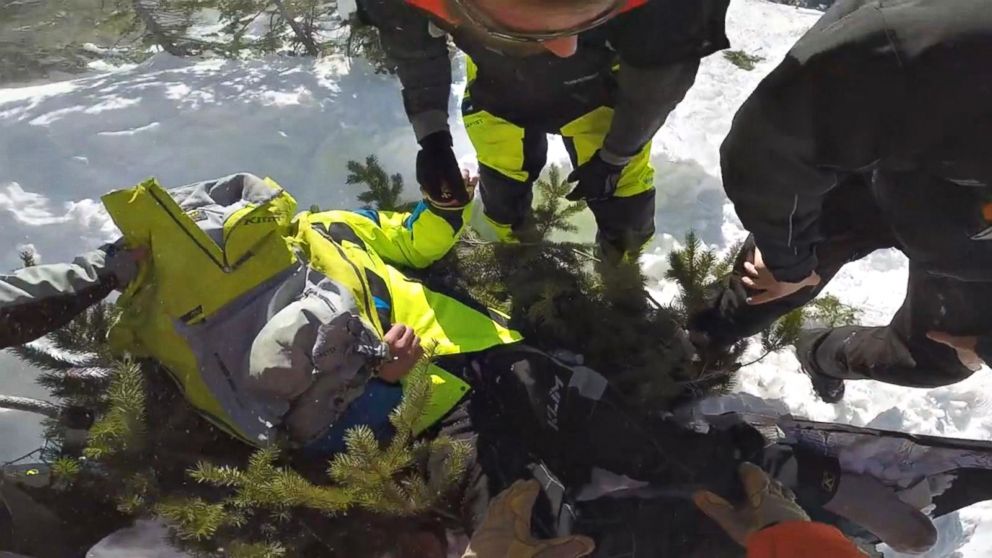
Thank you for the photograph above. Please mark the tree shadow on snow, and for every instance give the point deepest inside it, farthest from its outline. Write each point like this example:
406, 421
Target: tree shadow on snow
298, 120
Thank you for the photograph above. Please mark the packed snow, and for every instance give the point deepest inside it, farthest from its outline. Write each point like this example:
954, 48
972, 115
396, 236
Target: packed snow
300, 120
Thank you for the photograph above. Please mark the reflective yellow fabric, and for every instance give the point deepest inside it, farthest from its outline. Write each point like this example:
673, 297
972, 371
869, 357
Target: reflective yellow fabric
445, 326
499, 144
189, 278
588, 132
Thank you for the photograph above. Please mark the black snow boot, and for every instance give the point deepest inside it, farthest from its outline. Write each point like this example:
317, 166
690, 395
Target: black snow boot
828, 388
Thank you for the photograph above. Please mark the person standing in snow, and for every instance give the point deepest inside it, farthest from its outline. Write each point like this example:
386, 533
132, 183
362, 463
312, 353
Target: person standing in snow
873, 133
603, 74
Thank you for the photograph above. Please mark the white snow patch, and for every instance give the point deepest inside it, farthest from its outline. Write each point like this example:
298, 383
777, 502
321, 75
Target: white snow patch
53, 116
147, 539
132, 131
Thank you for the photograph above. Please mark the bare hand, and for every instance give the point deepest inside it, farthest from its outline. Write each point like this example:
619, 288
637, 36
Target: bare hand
404, 350
965, 347
759, 278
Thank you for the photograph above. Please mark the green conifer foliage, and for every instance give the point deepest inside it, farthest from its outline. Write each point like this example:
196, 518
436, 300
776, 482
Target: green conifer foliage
120, 432
406, 477
553, 212
382, 191
364, 41
693, 268
28, 256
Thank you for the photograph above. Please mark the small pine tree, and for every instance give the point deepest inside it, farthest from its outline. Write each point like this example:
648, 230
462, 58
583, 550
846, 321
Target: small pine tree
408, 476
697, 269
553, 213
693, 268
383, 191
28, 255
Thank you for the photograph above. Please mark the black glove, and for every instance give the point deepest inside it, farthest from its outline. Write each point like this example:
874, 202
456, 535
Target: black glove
597, 180
438, 172
984, 348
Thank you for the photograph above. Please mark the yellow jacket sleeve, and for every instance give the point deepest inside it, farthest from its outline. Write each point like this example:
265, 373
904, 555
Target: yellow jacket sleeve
413, 239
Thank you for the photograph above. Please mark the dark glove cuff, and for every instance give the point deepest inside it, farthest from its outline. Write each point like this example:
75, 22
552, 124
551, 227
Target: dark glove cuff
451, 215
798, 268
613, 159
984, 348
437, 140
819, 477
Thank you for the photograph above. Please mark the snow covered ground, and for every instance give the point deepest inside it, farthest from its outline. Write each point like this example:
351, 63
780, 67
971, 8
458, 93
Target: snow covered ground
299, 120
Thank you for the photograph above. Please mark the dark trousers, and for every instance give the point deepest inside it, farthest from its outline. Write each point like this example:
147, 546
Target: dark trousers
900, 353
511, 159
534, 417
527, 406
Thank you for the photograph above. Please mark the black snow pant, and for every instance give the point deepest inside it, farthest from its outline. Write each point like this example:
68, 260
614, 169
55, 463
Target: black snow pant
527, 407
852, 227
511, 158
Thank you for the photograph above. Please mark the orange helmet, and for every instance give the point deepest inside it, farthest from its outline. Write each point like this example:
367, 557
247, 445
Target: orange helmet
439, 8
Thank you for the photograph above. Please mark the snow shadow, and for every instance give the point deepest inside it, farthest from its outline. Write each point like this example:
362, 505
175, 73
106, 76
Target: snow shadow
298, 120
688, 198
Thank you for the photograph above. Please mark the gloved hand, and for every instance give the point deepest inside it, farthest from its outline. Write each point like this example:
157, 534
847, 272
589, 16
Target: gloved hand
438, 173
122, 263
597, 180
768, 503
505, 533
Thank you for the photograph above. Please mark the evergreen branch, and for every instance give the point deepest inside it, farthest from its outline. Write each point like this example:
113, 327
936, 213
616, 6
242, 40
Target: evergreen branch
241, 549
66, 470
223, 476
193, 518
383, 191
829, 311
122, 428
784, 332
30, 405
726, 265
47, 358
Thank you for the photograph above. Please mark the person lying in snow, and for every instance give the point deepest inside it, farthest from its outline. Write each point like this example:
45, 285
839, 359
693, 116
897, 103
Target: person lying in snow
291, 328
285, 328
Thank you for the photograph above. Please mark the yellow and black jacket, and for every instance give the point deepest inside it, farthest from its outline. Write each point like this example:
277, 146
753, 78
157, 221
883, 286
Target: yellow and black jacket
270, 321
640, 63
